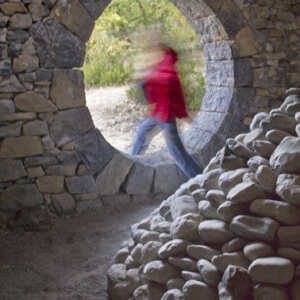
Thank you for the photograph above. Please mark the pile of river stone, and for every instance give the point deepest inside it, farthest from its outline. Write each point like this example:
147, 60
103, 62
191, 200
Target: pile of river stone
232, 232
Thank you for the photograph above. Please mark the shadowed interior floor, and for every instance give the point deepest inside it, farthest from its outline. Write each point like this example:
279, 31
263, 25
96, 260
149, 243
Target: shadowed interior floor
69, 261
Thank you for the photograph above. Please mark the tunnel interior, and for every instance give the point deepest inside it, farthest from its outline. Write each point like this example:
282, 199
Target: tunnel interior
53, 157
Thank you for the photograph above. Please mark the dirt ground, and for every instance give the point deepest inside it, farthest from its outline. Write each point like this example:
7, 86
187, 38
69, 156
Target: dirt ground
70, 261
118, 117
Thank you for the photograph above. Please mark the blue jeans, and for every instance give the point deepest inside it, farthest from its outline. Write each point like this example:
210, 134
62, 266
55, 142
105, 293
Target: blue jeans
184, 160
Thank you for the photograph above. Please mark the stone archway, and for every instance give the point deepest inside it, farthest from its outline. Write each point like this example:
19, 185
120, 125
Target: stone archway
48, 137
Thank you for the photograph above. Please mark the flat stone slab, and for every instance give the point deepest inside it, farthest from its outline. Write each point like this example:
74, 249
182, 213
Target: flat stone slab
113, 175
21, 147
230, 179
202, 252
11, 169
272, 291
224, 260
70, 124
288, 188
67, 13
286, 157
173, 248
186, 227
245, 192
193, 288
289, 236
50, 184
95, 7
275, 270
182, 205
258, 250
63, 203
139, 180
215, 232
18, 196
209, 272
94, 150
57, 47
160, 271
67, 89
255, 228
81, 184
277, 210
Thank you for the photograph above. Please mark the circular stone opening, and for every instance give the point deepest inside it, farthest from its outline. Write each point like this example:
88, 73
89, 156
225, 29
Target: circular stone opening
115, 57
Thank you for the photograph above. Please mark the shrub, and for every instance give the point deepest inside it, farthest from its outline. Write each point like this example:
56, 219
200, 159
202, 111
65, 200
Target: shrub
111, 52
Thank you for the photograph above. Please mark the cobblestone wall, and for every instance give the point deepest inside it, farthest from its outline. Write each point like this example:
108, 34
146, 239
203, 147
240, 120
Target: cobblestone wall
52, 158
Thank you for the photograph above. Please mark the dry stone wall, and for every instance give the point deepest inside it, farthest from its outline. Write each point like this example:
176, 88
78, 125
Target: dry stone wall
232, 232
52, 158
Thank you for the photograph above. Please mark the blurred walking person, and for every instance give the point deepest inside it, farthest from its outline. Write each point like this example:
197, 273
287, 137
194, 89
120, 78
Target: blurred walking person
163, 91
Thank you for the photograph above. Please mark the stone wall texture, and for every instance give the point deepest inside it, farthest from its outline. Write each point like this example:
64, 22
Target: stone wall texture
53, 160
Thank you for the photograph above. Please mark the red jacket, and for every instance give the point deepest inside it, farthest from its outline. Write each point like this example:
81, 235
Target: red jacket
163, 89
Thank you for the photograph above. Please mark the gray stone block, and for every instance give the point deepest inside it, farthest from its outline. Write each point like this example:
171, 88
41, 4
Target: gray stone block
113, 175
69, 157
17, 196
220, 73
36, 127
11, 169
11, 85
94, 151
236, 101
3, 51
7, 106
229, 73
67, 89
193, 9
70, 124
218, 51
20, 147
38, 11
44, 161
95, 7
231, 18
81, 184
209, 29
13, 130
31, 101
242, 72
17, 36
74, 16
56, 46
14, 49
140, 179
63, 203
27, 77
167, 179
43, 74
5, 67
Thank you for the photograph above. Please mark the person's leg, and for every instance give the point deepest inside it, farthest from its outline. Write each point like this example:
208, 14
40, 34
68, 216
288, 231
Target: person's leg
184, 160
141, 142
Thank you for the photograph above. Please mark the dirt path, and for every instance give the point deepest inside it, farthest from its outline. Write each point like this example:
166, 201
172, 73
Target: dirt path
118, 117
69, 261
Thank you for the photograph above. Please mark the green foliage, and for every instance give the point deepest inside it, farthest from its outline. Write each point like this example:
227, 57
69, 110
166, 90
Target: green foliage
111, 52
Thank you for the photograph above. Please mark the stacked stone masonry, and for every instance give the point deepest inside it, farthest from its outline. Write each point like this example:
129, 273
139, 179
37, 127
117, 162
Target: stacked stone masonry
52, 158
232, 232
